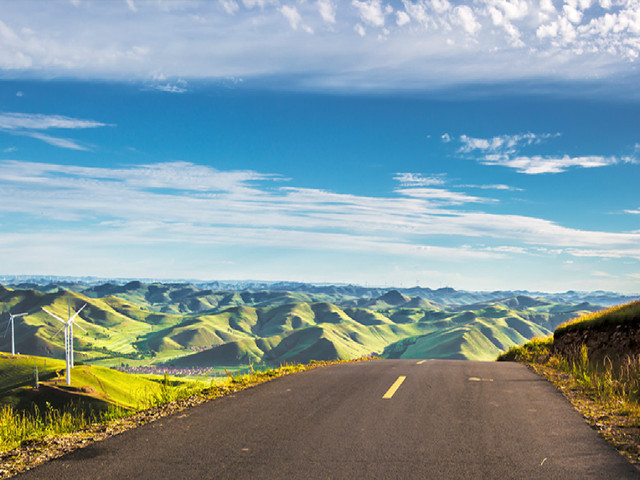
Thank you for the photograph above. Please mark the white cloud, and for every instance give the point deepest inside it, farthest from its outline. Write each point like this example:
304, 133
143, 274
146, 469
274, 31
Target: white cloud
230, 6
55, 141
417, 180
493, 187
605, 253
419, 12
292, 16
504, 150
327, 10
547, 6
18, 121
503, 12
441, 196
573, 14
171, 88
547, 31
465, 17
131, 5
540, 164
193, 204
29, 125
429, 43
402, 18
371, 12
502, 143
633, 212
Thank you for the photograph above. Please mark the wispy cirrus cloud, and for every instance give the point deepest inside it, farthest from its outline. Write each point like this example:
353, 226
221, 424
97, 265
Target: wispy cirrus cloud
412, 180
417, 180
442, 196
503, 143
193, 204
32, 125
505, 151
494, 187
55, 141
538, 164
26, 121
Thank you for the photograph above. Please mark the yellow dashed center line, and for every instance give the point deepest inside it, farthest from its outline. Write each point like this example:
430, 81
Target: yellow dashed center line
394, 387
420, 362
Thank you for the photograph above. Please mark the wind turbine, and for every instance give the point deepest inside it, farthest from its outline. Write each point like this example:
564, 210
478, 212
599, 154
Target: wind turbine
10, 323
68, 336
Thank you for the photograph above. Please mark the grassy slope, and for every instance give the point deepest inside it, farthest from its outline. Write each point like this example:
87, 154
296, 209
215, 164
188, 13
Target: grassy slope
479, 335
620, 314
126, 325
96, 385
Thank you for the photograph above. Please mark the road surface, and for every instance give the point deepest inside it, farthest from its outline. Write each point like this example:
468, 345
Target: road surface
443, 420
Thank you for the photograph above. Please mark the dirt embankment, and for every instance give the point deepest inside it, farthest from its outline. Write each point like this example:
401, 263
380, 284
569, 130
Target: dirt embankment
617, 342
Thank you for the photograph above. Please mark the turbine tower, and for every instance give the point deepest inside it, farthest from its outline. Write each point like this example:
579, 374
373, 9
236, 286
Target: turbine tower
68, 336
13, 338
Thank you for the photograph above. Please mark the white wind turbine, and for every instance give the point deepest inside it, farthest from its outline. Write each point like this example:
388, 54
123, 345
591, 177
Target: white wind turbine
68, 336
10, 323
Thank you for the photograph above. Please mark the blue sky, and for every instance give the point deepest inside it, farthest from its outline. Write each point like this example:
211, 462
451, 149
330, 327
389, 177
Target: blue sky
485, 145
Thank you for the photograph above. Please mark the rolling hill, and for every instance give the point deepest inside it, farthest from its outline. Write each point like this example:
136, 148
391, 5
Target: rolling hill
98, 386
186, 326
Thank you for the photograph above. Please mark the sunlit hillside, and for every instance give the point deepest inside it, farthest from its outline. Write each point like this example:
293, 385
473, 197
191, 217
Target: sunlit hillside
183, 326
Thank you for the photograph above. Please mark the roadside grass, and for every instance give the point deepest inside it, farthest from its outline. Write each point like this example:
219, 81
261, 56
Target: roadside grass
18, 426
535, 350
616, 315
31, 436
607, 394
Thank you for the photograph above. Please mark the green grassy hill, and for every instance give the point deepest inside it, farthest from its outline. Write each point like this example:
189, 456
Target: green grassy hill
178, 324
97, 386
475, 335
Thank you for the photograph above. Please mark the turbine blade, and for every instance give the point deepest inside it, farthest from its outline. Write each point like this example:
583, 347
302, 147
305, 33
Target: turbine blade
54, 316
78, 312
61, 328
79, 327
17, 315
7, 330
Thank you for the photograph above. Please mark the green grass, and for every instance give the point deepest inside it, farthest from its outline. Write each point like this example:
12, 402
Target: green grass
19, 371
18, 426
99, 386
617, 315
536, 350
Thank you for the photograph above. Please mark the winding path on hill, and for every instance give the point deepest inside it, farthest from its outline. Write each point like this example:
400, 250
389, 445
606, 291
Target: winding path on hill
389, 419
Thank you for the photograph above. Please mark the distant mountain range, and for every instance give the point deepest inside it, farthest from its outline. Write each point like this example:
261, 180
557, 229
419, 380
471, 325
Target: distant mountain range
443, 296
187, 325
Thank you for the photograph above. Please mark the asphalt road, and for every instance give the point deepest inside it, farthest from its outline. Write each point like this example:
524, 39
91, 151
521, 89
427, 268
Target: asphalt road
446, 420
